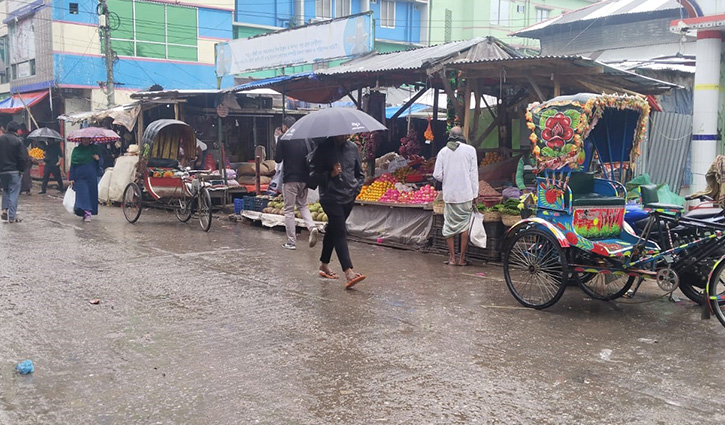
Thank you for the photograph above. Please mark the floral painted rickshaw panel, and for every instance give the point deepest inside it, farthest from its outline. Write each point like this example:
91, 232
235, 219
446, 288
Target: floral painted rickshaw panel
559, 128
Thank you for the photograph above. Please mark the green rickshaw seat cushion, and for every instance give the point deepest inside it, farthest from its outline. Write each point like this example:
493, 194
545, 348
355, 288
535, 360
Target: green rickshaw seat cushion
659, 206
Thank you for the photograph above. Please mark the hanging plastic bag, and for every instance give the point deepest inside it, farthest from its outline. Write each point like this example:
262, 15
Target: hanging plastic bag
69, 200
275, 186
477, 233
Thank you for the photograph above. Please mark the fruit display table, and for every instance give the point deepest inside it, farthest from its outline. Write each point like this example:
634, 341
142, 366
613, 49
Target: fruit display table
405, 225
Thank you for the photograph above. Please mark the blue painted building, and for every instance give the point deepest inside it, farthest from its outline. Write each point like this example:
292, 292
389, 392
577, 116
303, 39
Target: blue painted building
54, 48
398, 24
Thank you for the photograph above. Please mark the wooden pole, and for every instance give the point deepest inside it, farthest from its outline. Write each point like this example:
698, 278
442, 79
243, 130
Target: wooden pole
467, 111
434, 122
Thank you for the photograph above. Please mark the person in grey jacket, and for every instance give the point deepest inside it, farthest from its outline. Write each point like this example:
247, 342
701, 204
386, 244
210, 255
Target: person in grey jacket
336, 168
13, 160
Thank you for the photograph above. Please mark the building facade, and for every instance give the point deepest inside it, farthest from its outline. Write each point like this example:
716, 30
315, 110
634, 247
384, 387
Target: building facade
54, 49
452, 20
399, 24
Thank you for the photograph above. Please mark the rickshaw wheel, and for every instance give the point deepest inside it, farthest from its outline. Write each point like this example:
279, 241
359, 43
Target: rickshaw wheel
715, 292
205, 209
604, 287
183, 210
132, 202
535, 268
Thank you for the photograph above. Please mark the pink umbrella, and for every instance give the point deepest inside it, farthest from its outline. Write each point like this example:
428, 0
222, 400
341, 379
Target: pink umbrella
96, 134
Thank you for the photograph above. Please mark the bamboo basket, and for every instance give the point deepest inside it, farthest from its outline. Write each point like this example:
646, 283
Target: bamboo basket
491, 216
510, 220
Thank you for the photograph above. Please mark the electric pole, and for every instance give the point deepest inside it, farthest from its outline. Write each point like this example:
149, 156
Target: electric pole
105, 27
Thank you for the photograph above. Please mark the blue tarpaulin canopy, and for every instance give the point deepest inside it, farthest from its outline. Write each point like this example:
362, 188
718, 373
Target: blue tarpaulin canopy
14, 104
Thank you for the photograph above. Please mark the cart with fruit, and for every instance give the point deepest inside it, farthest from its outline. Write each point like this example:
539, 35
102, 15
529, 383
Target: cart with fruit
577, 233
162, 180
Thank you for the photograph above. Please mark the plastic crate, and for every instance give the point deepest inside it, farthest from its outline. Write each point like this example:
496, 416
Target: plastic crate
238, 206
253, 203
248, 203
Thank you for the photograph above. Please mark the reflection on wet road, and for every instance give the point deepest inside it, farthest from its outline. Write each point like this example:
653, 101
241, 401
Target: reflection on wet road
227, 327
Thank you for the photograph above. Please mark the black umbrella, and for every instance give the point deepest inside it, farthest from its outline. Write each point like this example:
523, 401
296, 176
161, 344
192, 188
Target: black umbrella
332, 122
45, 134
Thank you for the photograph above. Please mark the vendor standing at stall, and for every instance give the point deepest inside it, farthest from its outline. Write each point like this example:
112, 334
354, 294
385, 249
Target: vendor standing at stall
457, 167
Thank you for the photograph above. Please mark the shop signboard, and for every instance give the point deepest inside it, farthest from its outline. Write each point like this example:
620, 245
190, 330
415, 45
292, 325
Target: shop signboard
339, 38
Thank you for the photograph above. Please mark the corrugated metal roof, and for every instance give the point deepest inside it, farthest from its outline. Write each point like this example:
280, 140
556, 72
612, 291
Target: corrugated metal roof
609, 9
420, 58
634, 79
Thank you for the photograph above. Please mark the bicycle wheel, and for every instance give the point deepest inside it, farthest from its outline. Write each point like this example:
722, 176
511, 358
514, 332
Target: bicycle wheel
132, 202
204, 209
535, 268
715, 292
604, 287
183, 210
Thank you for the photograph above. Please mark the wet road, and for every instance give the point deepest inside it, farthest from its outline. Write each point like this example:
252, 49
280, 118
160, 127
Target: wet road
229, 328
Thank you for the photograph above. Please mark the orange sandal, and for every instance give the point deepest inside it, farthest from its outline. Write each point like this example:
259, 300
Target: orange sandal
330, 275
354, 281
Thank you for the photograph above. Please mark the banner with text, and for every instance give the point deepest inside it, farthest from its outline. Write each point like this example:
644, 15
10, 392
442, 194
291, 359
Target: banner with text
339, 38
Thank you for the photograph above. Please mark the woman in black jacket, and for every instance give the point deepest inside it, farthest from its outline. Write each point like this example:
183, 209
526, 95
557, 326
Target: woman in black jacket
336, 168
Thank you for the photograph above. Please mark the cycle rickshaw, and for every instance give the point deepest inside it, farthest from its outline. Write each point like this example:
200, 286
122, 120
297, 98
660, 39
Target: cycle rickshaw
161, 180
578, 233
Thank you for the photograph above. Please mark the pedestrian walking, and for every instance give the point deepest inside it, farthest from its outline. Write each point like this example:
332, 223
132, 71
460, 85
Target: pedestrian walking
53, 155
293, 153
457, 167
85, 164
336, 168
13, 160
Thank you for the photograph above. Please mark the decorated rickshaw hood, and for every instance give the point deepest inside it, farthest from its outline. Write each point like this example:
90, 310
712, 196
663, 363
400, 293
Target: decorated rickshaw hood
559, 127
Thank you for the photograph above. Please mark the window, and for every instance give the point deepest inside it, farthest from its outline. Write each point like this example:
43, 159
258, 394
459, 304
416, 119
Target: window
158, 31
342, 8
73, 8
500, 12
323, 9
387, 14
542, 14
5, 66
520, 8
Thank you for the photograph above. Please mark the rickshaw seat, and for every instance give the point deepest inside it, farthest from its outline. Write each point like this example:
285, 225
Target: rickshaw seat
163, 163
582, 192
650, 199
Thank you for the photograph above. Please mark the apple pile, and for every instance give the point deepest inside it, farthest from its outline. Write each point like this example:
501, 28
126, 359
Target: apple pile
424, 195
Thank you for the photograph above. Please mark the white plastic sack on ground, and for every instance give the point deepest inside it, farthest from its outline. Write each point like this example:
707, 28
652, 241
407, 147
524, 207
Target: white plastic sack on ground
69, 200
477, 234
104, 184
123, 173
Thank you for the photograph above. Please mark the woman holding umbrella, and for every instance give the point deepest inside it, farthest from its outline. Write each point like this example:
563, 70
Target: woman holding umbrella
83, 175
336, 167
86, 165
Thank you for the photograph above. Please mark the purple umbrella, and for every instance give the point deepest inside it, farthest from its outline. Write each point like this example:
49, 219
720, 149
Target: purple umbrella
96, 134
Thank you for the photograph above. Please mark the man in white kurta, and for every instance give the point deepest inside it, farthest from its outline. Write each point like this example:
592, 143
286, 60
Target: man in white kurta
457, 167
